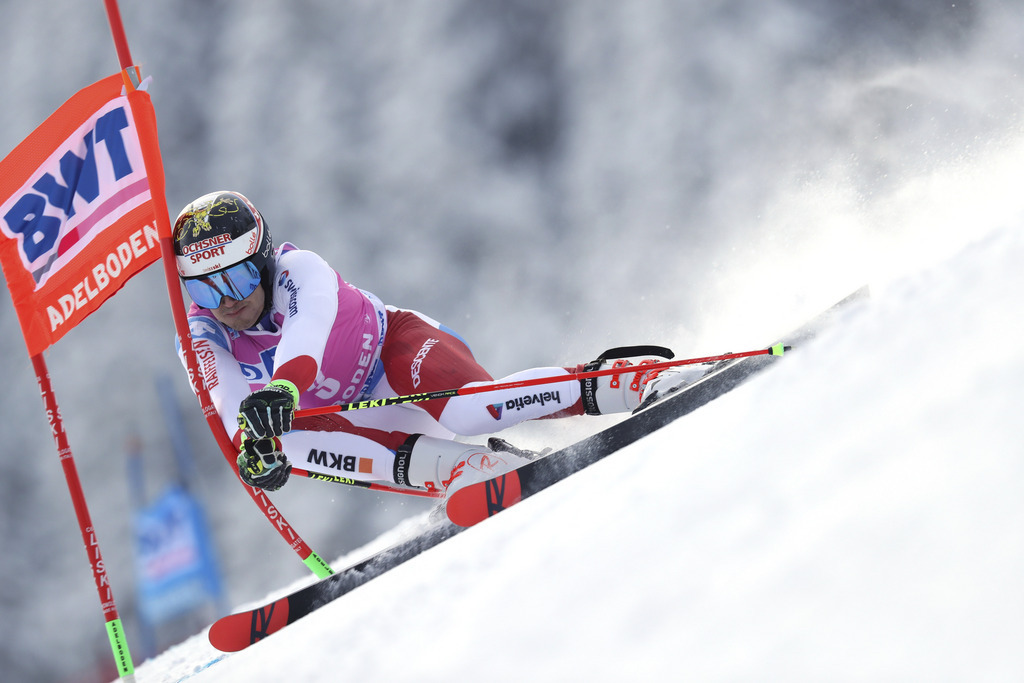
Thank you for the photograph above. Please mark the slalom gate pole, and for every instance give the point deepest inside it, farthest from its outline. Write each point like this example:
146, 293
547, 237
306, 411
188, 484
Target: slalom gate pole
115, 631
141, 105
776, 350
142, 110
124, 55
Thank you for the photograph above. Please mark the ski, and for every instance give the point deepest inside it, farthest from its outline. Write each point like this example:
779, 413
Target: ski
474, 503
236, 632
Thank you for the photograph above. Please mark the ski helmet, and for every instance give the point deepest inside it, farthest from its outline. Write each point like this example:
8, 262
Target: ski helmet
222, 247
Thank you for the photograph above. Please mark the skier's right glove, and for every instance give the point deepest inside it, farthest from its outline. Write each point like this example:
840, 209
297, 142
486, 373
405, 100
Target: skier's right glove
269, 411
263, 464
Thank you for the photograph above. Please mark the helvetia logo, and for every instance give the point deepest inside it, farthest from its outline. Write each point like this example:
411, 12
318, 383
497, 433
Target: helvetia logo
495, 410
543, 398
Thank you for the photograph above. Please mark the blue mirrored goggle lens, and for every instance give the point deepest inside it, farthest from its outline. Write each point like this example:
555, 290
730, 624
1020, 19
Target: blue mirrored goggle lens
237, 282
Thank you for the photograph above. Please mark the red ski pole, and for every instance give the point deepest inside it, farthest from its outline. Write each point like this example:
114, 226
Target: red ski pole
776, 350
369, 485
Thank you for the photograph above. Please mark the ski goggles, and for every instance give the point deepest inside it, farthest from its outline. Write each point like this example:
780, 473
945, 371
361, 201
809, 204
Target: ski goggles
237, 282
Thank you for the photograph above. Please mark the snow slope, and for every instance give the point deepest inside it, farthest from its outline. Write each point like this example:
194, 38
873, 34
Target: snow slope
854, 513
700, 175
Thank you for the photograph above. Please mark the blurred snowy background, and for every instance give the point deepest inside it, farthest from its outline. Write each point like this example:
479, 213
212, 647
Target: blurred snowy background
548, 178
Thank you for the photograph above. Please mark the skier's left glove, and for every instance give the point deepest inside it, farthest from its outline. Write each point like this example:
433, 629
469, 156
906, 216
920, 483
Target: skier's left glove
263, 464
269, 411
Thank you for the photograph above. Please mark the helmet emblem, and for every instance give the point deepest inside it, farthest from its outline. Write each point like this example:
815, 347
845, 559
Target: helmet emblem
199, 220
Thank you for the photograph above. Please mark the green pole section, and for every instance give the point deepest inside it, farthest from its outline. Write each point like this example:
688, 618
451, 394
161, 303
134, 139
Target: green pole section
318, 566
119, 645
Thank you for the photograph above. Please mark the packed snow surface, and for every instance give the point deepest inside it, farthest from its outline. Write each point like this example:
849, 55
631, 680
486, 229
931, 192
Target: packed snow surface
853, 513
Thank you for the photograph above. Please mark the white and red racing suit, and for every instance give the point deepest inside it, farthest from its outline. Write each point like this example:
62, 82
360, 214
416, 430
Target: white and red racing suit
339, 344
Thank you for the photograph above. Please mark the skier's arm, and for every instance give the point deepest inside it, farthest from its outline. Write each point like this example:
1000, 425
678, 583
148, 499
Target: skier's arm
220, 371
327, 322
306, 292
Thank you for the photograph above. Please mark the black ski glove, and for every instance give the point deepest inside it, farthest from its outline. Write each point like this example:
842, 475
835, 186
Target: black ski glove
268, 411
262, 464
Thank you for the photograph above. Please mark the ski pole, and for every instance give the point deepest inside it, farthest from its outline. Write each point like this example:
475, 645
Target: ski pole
370, 485
776, 350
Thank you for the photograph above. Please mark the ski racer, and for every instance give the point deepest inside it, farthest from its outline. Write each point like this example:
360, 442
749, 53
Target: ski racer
275, 329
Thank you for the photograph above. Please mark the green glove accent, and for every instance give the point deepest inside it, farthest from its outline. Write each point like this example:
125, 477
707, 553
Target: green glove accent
262, 464
292, 389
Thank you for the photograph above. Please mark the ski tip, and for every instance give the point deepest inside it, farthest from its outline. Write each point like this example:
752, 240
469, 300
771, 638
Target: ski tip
475, 503
236, 632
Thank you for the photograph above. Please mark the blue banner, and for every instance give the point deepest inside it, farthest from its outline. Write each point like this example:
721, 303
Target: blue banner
176, 565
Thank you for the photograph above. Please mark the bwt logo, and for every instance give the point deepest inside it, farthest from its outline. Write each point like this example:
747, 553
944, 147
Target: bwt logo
80, 177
